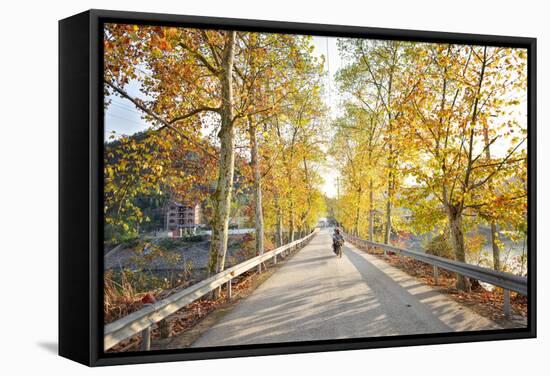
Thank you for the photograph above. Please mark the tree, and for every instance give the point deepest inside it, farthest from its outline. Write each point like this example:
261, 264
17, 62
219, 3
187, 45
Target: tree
204, 90
266, 76
375, 80
465, 88
358, 148
226, 165
440, 110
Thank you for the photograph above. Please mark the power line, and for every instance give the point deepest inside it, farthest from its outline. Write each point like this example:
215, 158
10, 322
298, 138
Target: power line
122, 102
126, 108
126, 119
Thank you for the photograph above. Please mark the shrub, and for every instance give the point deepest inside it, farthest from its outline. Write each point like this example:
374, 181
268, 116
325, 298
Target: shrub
169, 243
194, 238
440, 246
173, 243
247, 248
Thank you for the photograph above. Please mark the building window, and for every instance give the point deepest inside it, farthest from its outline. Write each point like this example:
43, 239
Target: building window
172, 221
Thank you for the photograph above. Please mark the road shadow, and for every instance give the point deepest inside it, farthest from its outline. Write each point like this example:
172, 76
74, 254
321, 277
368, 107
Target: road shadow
282, 318
351, 299
394, 294
347, 310
310, 260
428, 303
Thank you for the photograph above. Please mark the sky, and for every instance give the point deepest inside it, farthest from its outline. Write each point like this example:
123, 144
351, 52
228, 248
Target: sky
122, 116
326, 46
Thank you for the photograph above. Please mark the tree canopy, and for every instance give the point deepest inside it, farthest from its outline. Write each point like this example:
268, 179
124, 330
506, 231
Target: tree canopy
428, 138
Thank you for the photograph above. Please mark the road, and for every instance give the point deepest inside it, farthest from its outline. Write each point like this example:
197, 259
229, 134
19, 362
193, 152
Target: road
317, 296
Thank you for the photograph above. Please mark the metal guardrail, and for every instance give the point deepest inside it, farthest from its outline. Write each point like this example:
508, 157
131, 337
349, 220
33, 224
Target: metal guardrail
142, 320
507, 281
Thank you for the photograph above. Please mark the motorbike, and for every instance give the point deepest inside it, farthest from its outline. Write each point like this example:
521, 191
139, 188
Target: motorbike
337, 248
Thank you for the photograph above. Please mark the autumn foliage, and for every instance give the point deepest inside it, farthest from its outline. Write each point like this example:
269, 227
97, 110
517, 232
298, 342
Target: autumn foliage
429, 139
234, 119
432, 140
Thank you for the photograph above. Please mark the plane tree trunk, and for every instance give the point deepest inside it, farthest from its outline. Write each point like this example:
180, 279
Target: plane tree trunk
291, 226
279, 233
226, 135
496, 249
387, 235
371, 211
257, 183
455, 207
391, 186
454, 213
494, 230
357, 213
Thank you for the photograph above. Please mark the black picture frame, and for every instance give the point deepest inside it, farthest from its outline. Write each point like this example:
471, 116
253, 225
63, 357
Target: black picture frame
80, 186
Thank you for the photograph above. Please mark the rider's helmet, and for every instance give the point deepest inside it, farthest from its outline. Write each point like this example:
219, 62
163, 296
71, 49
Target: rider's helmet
337, 230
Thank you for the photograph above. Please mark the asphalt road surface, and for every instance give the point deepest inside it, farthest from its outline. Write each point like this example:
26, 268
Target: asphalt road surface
317, 296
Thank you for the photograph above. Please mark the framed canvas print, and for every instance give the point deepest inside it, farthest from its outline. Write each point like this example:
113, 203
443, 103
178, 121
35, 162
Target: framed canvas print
237, 187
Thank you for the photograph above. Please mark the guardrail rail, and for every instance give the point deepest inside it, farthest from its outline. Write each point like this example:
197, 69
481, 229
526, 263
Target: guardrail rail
506, 281
142, 320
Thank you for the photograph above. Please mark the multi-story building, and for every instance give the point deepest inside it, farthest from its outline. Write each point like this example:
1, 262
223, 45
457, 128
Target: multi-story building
182, 219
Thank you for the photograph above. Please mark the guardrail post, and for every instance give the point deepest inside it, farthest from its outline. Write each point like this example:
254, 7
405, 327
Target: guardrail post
275, 259
148, 300
506, 303
146, 339
229, 289
436, 275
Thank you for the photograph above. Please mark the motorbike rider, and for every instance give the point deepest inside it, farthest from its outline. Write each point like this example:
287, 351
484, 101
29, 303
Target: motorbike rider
337, 238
